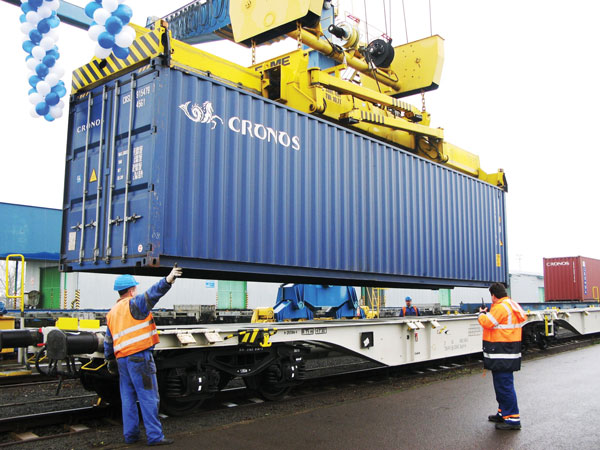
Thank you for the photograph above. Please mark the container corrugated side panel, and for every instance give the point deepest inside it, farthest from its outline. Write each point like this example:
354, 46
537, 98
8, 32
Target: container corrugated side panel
251, 189
240, 197
562, 279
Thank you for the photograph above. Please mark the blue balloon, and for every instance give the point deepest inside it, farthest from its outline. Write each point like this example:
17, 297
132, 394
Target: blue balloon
120, 52
106, 40
42, 70
42, 108
31, 91
98, 1
26, 7
53, 21
23, 18
59, 90
34, 80
52, 98
28, 46
36, 3
49, 117
44, 26
124, 13
35, 36
49, 60
91, 8
113, 25
52, 53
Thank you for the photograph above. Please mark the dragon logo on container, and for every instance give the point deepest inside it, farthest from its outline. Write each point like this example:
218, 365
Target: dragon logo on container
205, 114
201, 114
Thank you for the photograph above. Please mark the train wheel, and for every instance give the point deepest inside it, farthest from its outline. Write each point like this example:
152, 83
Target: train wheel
179, 406
268, 384
273, 392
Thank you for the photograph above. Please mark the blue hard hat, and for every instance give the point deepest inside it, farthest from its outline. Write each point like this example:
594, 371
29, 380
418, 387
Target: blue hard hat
125, 282
408, 299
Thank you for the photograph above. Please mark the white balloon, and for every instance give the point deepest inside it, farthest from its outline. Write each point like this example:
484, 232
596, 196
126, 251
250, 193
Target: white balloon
56, 111
43, 87
47, 43
35, 98
38, 52
32, 17
102, 53
95, 30
33, 112
53, 33
24, 37
31, 63
61, 104
110, 5
44, 11
57, 70
52, 79
122, 1
54, 4
26, 27
124, 38
100, 16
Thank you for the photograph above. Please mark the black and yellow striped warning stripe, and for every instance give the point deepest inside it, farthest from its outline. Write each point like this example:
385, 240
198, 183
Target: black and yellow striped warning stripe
142, 48
373, 118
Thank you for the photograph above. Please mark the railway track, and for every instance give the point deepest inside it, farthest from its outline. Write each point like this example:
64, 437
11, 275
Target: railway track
327, 379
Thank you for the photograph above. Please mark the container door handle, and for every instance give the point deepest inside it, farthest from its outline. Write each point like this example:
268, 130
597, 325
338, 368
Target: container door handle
113, 144
85, 170
128, 170
99, 186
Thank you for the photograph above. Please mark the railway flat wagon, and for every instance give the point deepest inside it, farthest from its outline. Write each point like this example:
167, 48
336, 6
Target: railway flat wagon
167, 165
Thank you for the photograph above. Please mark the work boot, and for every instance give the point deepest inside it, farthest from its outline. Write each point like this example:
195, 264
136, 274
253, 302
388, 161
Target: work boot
496, 418
165, 441
508, 426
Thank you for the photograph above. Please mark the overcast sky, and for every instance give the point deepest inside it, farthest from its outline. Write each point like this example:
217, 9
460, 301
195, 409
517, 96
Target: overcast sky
519, 88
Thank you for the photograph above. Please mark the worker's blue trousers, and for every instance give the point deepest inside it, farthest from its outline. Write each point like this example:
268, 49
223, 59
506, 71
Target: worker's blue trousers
137, 381
506, 397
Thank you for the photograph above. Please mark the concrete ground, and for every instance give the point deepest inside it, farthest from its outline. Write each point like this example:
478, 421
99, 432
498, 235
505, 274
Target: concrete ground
558, 398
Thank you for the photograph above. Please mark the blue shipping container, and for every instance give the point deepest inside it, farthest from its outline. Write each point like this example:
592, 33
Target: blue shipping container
233, 186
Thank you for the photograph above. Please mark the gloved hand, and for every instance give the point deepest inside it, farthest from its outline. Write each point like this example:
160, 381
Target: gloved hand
175, 273
112, 366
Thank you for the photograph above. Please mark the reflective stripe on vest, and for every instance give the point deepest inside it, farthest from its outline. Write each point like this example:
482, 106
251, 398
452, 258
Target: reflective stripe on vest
130, 335
502, 355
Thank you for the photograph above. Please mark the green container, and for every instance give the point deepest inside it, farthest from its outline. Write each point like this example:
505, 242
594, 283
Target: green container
232, 295
50, 287
445, 297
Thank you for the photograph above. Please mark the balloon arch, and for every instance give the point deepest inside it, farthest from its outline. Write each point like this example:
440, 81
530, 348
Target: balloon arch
109, 29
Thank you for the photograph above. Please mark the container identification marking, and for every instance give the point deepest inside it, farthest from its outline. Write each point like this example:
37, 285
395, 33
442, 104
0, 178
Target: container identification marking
314, 331
72, 240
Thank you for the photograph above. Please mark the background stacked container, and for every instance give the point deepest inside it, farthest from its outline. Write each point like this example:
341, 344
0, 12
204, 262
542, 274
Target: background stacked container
572, 278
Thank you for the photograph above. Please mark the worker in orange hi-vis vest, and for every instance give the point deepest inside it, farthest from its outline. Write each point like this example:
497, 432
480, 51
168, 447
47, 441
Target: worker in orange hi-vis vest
502, 353
409, 310
130, 337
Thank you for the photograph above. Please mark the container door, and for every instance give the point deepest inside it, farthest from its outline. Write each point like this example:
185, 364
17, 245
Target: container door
108, 172
50, 287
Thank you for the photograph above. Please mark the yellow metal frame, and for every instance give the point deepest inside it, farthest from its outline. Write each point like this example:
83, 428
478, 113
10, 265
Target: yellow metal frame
371, 107
22, 295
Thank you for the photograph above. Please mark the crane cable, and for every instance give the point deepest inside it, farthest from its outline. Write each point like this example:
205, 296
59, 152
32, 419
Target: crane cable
405, 26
